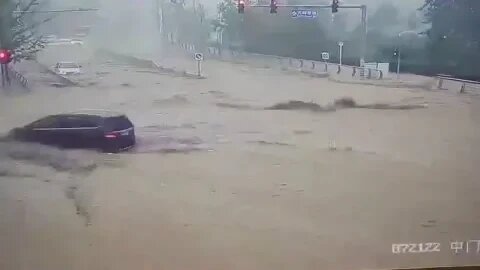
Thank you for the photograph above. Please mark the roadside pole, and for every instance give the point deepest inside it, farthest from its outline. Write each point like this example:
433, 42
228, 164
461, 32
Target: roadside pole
199, 58
3, 75
364, 36
340, 45
398, 63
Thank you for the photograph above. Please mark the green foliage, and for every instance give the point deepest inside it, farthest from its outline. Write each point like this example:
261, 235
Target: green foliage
188, 25
18, 30
454, 36
451, 45
385, 16
229, 21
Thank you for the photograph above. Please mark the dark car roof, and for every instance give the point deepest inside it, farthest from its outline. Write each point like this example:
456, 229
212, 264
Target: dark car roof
95, 112
77, 115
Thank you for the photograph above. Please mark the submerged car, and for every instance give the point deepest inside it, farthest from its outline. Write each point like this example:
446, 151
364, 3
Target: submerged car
76, 41
67, 68
103, 130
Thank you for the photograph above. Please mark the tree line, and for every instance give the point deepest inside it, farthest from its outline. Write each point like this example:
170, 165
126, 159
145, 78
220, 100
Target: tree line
19, 27
442, 37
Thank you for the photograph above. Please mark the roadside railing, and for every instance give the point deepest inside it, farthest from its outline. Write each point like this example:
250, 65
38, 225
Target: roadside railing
19, 77
463, 83
366, 72
303, 65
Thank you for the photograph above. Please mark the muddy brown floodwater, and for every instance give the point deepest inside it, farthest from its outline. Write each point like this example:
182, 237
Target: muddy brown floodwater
234, 187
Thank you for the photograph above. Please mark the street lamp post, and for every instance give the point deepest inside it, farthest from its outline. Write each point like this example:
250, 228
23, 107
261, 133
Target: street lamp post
398, 62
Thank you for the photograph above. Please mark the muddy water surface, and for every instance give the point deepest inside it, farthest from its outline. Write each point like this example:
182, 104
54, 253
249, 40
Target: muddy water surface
222, 187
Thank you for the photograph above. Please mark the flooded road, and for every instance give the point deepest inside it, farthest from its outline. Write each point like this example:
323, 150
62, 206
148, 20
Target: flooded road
237, 187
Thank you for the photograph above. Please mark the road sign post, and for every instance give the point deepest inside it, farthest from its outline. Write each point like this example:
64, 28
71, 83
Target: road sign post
325, 56
199, 58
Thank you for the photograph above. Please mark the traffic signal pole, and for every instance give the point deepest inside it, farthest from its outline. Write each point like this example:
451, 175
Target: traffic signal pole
363, 8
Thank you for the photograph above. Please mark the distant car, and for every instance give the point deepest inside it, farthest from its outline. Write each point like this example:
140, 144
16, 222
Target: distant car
103, 130
80, 35
76, 41
67, 68
50, 38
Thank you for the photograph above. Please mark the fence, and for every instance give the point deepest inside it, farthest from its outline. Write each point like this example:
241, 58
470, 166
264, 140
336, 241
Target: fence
8, 73
463, 83
303, 65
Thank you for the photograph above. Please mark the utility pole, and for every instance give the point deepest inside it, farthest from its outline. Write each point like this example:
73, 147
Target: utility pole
340, 48
398, 63
158, 16
363, 50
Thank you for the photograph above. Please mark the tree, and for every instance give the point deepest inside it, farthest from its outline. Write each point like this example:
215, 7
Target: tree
413, 21
385, 18
454, 38
18, 30
229, 22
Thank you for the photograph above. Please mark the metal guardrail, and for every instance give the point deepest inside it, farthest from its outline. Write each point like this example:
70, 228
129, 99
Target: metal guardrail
19, 78
302, 64
368, 70
441, 78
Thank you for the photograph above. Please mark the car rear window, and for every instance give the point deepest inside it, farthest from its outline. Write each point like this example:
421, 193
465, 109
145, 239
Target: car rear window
77, 122
117, 123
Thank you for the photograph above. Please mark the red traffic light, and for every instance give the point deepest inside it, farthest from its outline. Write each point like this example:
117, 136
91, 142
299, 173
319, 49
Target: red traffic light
5, 56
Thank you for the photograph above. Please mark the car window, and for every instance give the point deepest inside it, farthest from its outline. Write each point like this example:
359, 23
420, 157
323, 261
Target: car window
85, 122
117, 123
76, 122
47, 122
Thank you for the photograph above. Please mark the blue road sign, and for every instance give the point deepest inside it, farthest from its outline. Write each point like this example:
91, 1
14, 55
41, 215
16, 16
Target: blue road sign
304, 13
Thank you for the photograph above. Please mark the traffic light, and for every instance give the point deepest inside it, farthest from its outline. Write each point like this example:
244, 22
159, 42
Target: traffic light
335, 6
5, 56
395, 52
241, 6
273, 6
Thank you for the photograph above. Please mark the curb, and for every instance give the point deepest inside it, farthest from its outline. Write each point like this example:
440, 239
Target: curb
177, 72
316, 75
426, 85
143, 63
